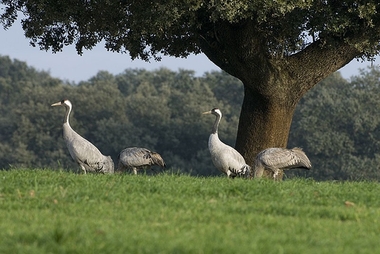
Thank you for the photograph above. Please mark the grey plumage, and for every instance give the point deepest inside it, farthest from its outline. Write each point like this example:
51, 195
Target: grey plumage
89, 158
277, 159
225, 158
136, 158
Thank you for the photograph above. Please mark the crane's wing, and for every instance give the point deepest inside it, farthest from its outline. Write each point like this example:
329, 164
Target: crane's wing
280, 158
86, 154
233, 154
136, 157
234, 162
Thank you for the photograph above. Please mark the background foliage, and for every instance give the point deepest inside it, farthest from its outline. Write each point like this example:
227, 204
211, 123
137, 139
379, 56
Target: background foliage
336, 123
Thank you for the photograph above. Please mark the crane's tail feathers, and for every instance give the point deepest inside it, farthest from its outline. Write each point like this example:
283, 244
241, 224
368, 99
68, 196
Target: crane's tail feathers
245, 171
304, 160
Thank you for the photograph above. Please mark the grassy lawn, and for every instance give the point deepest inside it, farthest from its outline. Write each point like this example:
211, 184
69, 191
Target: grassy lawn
44, 211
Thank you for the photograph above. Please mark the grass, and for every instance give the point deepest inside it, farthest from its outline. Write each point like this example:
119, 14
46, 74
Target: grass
44, 211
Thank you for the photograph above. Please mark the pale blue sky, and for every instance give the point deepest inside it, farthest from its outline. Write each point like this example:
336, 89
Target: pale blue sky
68, 65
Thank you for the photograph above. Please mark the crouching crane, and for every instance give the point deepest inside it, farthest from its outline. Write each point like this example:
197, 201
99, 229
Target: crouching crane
279, 159
225, 158
89, 158
136, 158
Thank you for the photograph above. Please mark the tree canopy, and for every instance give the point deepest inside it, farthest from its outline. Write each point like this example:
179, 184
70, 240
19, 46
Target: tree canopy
148, 28
278, 49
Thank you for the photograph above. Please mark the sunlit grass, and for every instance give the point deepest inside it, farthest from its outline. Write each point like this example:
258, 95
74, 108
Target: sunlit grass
44, 211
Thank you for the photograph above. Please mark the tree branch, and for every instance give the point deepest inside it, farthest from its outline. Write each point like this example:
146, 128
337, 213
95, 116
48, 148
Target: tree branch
318, 61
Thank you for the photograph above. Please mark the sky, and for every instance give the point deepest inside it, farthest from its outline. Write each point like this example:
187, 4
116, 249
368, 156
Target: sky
68, 65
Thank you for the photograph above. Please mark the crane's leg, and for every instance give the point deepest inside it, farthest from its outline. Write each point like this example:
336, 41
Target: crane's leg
275, 173
83, 168
135, 171
258, 169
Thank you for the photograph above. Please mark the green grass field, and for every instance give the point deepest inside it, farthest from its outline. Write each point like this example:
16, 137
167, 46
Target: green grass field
44, 211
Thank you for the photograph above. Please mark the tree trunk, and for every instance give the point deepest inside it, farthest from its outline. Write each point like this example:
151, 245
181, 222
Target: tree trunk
264, 122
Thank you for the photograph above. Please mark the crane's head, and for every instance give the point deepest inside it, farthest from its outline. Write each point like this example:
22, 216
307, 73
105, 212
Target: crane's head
65, 103
214, 111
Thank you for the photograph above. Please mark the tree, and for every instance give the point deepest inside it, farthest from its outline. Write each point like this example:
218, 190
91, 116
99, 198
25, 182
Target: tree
278, 49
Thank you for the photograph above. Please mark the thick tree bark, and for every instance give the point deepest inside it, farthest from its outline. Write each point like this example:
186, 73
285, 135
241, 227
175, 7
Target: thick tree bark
273, 86
264, 122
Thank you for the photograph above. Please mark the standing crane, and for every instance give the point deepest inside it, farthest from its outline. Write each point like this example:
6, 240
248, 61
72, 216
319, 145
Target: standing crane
89, 158
136, 158
279, 159
225, 158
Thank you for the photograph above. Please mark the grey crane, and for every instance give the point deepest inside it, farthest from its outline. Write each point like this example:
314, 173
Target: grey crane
278, 159
89, 158
136, 158
225, 158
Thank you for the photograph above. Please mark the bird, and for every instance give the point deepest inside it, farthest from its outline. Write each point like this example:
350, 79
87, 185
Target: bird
136, 158
225, 158
83, 152
278, 159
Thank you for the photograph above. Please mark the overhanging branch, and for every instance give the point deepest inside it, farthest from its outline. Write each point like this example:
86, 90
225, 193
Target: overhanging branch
317, 61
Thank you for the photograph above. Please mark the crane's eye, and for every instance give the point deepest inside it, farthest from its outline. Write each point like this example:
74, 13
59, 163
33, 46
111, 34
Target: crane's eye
62, 101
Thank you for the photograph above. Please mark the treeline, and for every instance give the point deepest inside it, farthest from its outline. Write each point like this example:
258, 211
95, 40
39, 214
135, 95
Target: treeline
337, 123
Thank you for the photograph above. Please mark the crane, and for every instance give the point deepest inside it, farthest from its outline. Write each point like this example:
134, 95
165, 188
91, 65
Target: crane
136, 158
83, 152
277, 159
225, 158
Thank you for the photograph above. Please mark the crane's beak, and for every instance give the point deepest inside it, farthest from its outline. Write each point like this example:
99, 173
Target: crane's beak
206, 113
56, 104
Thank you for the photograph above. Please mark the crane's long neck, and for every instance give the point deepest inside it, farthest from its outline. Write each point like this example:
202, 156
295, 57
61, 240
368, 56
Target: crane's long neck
216, 124
67, 115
